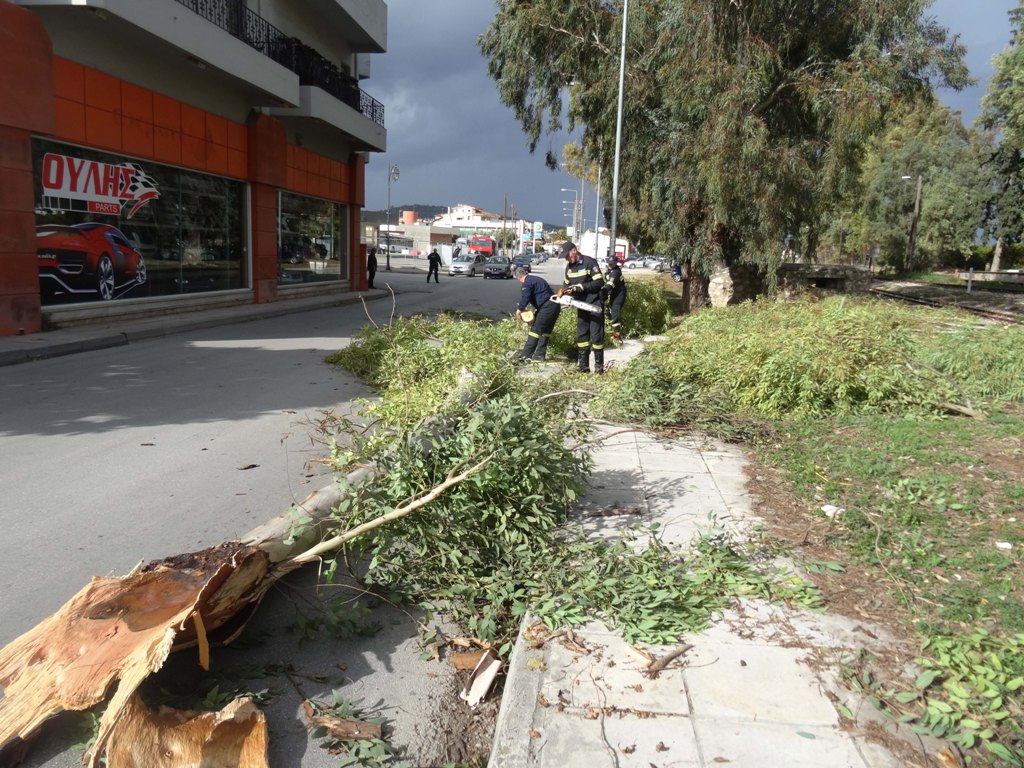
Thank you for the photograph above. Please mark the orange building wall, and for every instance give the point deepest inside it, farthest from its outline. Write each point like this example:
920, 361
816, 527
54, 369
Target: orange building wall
61, 99
105, 112
27, 107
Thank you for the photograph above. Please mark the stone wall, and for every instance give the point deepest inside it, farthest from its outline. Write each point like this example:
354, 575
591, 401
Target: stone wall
745, 282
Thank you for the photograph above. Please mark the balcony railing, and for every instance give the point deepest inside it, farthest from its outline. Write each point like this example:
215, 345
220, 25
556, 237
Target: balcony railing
235, 18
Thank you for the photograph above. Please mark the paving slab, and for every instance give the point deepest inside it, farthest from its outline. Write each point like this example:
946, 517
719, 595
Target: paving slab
746, 744
754, 691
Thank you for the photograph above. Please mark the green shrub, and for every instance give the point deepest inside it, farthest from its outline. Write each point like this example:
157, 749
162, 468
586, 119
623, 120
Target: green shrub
810, 358
646, 311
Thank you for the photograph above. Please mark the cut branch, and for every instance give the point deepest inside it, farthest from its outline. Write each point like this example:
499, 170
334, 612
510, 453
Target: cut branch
400, 511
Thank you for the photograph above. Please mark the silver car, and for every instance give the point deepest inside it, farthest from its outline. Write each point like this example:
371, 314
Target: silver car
467, 264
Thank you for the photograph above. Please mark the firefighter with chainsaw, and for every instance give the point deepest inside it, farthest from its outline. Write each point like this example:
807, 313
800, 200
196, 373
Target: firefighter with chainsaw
542, 318
584, 282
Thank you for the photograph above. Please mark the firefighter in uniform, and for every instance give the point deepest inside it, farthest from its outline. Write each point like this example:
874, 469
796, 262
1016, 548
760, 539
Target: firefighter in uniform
584, 281
538, 293
615, 287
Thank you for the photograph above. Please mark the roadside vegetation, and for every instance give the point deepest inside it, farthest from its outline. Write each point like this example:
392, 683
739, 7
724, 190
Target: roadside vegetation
491, 548
910, 422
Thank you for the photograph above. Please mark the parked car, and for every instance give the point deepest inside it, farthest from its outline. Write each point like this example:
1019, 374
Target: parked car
467, 264
633, 262
88, 258
523, 260
498, 266
654, 262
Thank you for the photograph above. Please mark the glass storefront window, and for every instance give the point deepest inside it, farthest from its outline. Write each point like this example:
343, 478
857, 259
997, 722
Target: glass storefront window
312, 240
111, 228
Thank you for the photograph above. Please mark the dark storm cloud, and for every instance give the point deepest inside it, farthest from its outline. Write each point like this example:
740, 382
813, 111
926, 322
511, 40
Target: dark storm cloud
984, 27
456, 143
453, 140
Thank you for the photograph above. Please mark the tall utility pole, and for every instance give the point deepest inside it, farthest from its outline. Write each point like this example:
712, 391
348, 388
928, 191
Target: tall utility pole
575, 211
504, 217
618, 130
583, 223
392, 174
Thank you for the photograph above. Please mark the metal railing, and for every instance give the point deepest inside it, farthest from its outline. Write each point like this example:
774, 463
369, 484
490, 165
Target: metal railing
235, 18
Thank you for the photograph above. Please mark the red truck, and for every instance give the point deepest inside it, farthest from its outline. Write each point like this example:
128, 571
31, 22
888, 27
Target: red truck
481, 244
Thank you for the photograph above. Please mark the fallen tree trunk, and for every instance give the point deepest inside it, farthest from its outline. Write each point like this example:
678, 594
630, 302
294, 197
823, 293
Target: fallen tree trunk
122, 629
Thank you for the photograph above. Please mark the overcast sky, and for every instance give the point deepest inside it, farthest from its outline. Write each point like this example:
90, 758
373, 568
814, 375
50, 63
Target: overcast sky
454, 141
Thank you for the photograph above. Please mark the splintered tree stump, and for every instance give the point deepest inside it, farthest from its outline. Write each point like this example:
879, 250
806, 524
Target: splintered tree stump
170, 738
121, 630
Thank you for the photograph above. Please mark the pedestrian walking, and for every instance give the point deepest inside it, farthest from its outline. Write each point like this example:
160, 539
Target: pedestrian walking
371, 267
584, 281
536, 293
615, 291
433, 265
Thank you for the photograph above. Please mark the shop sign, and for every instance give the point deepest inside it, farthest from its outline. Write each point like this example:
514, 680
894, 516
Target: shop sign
75, 184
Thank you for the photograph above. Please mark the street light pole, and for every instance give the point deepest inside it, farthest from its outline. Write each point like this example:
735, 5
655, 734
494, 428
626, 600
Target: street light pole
618, 130
575, 208
392, 174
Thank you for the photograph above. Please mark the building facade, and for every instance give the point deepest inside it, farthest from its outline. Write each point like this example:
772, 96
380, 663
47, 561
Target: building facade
168, 155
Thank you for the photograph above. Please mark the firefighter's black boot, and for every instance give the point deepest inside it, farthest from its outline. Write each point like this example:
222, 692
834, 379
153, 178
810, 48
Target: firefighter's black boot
584, 360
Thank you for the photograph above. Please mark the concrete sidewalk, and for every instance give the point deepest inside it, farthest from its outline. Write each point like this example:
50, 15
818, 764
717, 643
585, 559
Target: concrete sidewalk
759, 688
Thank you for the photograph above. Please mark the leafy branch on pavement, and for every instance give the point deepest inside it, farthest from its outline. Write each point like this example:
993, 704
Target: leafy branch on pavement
495, 547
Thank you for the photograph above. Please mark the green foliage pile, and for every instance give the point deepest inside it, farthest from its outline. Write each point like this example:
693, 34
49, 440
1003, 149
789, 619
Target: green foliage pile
489, 549
839, 356
646, 311
416, 362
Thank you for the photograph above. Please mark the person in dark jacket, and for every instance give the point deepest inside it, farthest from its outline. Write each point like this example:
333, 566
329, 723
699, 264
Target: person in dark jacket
433, 265
536, 293
584, 281
371, 267
615, 290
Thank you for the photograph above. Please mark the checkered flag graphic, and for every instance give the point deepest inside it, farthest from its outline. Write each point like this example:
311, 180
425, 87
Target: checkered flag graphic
141, 190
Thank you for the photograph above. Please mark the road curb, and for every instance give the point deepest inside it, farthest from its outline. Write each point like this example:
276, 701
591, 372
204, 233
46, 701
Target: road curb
510, 748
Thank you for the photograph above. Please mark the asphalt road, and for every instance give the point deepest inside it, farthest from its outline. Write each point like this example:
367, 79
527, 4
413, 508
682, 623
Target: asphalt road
174, 444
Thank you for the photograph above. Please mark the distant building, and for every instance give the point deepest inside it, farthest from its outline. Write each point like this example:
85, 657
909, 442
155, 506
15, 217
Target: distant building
459, 221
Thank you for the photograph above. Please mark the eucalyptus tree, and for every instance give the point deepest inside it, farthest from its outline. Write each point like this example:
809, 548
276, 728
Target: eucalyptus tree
742, 120
929, 141
1002, 114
